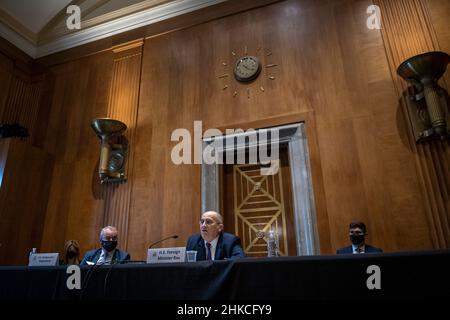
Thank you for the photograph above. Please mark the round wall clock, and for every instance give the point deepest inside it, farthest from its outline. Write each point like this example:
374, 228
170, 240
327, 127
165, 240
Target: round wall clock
247, 69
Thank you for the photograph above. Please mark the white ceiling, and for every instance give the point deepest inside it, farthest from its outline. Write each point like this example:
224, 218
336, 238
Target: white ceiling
38, 27
33, 14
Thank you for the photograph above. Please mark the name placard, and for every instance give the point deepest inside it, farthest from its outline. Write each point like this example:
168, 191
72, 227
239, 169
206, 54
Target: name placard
44, 259
166, 255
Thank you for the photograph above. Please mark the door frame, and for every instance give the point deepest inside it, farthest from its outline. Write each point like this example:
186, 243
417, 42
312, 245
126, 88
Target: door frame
305, 216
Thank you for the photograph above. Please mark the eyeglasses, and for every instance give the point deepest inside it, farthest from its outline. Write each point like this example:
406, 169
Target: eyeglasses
208, 222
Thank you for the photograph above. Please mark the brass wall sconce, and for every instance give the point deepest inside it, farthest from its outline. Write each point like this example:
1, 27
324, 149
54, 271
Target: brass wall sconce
114, 149
427, 103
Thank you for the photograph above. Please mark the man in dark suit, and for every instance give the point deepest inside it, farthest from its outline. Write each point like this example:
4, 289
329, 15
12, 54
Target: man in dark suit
212, 243
358, 233
108, 253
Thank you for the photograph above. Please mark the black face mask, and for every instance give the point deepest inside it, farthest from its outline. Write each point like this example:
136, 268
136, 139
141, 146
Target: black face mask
357, 239
109, 245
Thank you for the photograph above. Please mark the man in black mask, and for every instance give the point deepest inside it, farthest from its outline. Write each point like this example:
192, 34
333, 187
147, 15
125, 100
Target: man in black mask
108, 253
358, 233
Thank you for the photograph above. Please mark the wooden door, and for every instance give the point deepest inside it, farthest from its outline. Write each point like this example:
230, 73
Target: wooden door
253, 204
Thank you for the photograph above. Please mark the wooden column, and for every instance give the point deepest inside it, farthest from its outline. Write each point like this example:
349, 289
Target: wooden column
407, 31
123, 105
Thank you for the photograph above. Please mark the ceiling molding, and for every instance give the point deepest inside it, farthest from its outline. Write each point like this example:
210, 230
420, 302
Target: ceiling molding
53, 23
17, 27
13, 37
141, 6
107, 29
59, 29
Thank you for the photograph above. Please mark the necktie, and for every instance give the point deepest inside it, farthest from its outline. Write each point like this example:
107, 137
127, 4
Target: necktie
102, 258
208, 251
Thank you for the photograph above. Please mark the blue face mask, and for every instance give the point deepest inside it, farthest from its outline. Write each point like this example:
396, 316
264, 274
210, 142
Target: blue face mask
109, 245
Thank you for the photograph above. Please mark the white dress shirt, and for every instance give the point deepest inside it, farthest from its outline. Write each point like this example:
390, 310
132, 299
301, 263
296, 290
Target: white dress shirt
213, 247
362, 249
105, 257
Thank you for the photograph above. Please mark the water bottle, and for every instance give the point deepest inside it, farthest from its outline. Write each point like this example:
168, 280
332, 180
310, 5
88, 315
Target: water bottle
272, 245
33, 251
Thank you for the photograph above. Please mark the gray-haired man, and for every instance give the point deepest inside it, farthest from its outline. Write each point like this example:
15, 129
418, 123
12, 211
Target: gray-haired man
108, 253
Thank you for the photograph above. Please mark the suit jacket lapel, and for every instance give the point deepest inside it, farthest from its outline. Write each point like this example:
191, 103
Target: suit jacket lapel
218, 255
201, 254
115, 256
97, 256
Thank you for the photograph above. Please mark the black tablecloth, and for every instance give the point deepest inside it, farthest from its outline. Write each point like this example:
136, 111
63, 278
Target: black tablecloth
403, 276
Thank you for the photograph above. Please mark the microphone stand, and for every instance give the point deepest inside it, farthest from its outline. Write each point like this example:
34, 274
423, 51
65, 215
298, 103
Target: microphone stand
175, 236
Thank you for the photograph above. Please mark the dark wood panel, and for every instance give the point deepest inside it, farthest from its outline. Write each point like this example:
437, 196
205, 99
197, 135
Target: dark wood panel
408, 31
5, 82
439, 11
20, 59
75, 206
25, 170
24, 194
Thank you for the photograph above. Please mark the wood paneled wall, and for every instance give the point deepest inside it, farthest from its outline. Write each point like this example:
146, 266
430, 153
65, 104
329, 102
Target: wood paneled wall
438, 12
24, 167
328, 64
81, 93
331, 71
407, 31
123, 106
23, 195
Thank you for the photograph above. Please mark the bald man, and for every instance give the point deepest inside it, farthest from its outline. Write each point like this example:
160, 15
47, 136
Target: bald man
212, 243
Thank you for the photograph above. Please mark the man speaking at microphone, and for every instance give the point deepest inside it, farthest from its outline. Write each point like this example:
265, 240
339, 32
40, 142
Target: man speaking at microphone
212, 243
108, 253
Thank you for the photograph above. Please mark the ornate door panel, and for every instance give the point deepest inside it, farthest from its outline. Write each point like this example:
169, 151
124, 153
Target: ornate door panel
259, 203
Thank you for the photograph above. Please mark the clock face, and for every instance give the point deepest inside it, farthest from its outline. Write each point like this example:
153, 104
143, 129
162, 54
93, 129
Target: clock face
247, 69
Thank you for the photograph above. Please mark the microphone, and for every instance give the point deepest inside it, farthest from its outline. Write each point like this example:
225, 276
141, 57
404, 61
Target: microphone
175, 236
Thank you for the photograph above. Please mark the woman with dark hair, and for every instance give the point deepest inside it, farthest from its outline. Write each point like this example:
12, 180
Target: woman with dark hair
71, 252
